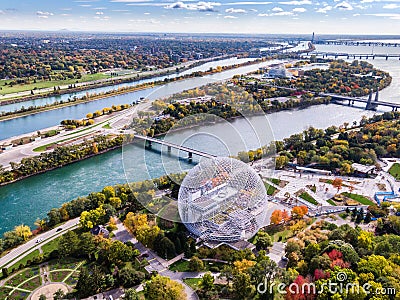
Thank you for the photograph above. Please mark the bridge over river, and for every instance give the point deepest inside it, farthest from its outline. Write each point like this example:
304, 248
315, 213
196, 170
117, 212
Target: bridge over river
350, 55
150, 140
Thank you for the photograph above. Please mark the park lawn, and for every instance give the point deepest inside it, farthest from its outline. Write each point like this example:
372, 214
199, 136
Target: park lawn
4, 292
306, 196
50, 246
180, 266
66, 263
59, 276
32, 284
6, 89
331, 202
270, 189
275, 181
22, 276
395, 171
282, 236
359, 198
24, 260
18, 295
194, 283
343, 215
107, 126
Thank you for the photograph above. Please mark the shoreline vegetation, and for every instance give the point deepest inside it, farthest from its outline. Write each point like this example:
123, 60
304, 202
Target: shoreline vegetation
296, 143
95, 84
119, 91
226, 101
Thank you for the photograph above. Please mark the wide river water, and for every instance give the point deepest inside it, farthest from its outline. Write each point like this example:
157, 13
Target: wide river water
24, 201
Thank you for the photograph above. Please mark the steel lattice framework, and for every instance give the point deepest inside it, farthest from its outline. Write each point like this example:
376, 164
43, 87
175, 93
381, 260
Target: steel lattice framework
222, 199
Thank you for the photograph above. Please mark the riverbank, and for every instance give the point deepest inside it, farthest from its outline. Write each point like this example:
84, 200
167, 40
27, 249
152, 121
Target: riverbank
119, 91
82, 86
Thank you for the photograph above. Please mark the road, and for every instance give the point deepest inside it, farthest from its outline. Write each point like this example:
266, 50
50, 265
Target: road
21, 251
117, 121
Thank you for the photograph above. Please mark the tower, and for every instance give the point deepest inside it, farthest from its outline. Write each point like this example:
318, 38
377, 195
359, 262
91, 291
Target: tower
312, 39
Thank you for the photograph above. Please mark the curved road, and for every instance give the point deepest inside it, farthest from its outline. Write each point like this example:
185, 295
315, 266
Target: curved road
21, 251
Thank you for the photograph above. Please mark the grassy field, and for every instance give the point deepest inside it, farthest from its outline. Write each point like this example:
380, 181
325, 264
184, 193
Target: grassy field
7, 89
331, 202
180, 266
395, 171
193, 282
50, 246
306, 196
270, 189
359, 198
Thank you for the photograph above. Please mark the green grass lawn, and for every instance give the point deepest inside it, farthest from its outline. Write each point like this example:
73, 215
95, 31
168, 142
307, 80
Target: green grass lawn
331, 202
306, 196
343, 215
50, 246
270, 189
194, 283
107, 126
180, 266
395, 171
6, 89
282, 236
359, 198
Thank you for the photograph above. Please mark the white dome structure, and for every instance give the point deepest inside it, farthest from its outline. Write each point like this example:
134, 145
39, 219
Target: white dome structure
222, 200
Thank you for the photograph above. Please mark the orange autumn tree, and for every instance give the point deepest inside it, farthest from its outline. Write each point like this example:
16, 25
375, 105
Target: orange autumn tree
299, 212
337, 183
279, 216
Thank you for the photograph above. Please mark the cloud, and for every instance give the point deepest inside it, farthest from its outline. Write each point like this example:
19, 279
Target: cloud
282, 13
263, 15
43, 14
248, 3
85, 5
325, 9
391, 6
235, 11
276, 9
344, 6
2, 12
297, 2
99, 13
385, 15
199, 6
230, 17
130, 1
299, 9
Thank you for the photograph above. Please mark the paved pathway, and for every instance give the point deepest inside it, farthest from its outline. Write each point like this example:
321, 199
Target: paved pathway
156, 263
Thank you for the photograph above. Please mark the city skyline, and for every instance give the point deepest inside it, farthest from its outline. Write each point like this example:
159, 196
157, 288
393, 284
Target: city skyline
227, 16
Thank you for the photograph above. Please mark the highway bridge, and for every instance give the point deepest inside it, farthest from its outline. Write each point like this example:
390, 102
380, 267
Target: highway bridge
351, 55
169, 145
359, 43
370, 104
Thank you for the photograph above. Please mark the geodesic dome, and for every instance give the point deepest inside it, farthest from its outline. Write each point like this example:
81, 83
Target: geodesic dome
222, 200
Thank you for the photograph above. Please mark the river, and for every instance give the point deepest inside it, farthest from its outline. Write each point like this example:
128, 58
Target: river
24, 201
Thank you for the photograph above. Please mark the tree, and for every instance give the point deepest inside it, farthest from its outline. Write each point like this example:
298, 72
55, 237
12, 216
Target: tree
365, 240
279, 217
91, 218
129, 277
41, 224
68, 244
59, 295
281, 161
242, 287
299, 211
42, 297
207, 282
162, 288
196, 264
337, 183
263, 240
23, 231
131, 294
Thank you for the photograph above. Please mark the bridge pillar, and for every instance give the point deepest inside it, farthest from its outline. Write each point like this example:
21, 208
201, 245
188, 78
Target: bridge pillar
190, 155
169, 149
148, 144
349, 102
387, 57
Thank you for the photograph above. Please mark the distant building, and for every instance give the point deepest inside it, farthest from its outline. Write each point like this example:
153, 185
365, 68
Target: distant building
278, 72
100, 230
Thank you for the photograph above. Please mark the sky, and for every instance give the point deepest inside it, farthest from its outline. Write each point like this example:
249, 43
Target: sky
193, 16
